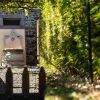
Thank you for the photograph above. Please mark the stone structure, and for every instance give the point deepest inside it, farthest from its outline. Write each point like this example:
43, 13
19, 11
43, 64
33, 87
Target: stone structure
20, 24
19, 47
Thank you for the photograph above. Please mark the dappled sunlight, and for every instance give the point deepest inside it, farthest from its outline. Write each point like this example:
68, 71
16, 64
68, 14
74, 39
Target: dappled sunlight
94, 95
53, 97
71, 89
62, 45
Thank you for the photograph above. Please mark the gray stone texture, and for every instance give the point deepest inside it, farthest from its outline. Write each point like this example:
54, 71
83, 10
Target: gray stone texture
29, 23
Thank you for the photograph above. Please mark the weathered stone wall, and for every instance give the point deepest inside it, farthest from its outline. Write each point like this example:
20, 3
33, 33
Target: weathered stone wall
29, 23
31, 36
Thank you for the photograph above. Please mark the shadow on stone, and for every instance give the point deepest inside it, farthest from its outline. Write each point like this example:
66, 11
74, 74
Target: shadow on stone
2, 86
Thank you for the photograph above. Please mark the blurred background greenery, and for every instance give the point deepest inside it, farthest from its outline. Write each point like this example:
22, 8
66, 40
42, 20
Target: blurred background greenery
63, 41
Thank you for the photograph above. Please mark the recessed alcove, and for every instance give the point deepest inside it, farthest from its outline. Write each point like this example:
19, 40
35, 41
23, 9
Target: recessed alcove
11, 21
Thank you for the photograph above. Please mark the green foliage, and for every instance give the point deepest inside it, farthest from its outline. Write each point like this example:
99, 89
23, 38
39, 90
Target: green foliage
63, 33
64, 37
